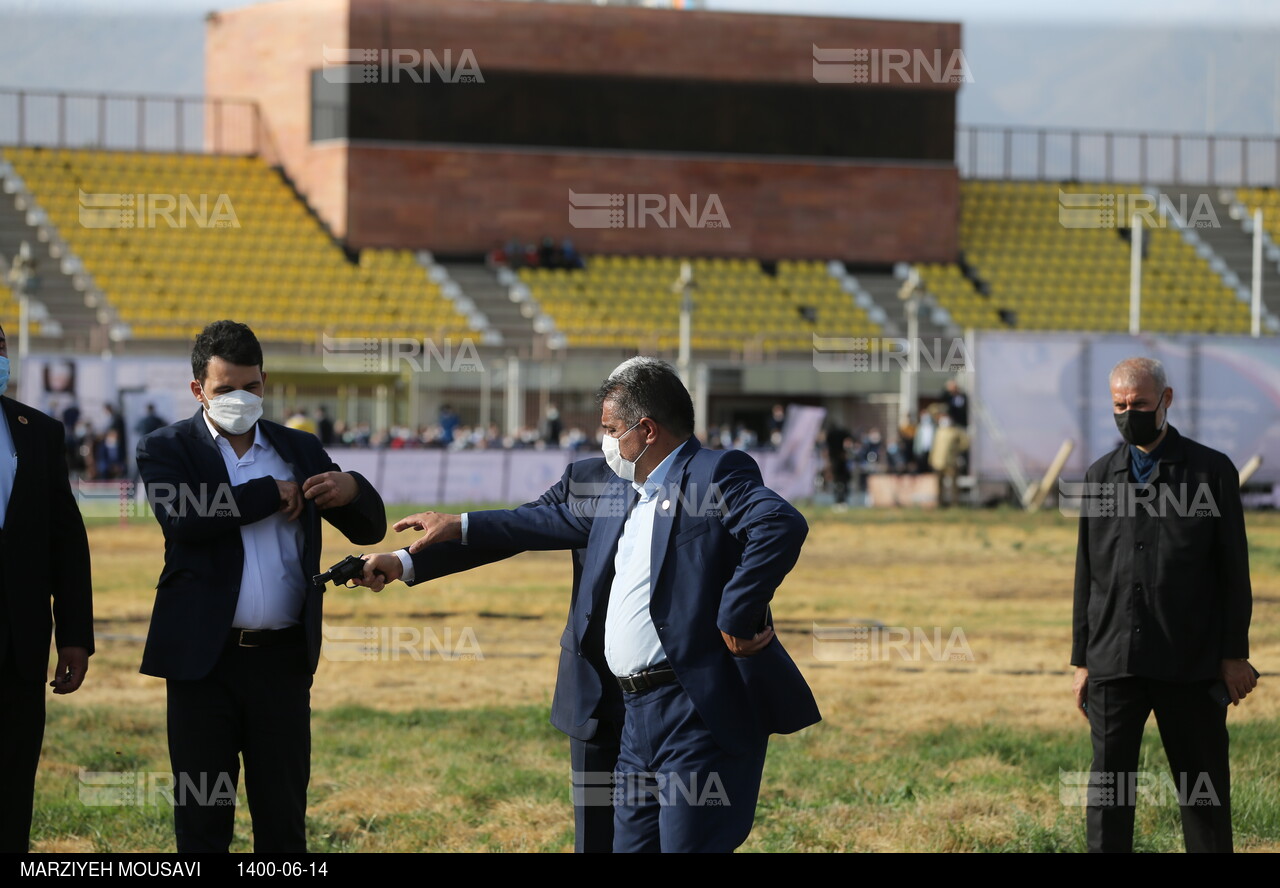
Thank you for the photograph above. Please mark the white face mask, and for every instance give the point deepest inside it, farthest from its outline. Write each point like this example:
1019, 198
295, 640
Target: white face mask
623, 468
235, 412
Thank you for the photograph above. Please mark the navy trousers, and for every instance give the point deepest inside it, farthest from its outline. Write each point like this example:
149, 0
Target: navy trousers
675, 788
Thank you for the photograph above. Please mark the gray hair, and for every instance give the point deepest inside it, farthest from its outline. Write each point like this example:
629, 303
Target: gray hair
637, 361
644, 386
1136, 370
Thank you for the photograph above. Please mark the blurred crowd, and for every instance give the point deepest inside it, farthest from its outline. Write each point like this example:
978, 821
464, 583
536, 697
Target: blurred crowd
513, 254
938, 442
99, 452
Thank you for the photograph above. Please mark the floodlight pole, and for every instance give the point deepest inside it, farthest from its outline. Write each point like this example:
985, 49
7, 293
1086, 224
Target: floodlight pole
908, 386
684, 286
1256, 327
1135, 276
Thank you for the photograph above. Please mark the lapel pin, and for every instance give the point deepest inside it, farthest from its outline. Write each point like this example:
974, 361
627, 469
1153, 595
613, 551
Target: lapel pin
22, 419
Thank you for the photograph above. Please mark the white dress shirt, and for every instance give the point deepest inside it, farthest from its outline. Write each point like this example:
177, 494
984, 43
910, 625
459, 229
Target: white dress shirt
8, 466
630, 639
407, 574
272, 584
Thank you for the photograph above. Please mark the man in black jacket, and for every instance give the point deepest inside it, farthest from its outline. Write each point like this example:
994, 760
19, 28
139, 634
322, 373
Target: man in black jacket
1162, 607
41, 531
237, 621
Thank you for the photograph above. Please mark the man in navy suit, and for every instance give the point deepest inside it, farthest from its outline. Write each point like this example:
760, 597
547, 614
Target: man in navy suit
593, 744
685, 549
236, 625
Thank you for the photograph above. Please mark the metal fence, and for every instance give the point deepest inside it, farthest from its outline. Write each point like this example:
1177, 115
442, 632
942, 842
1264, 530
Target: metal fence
197, 124
106, 121
1098, 155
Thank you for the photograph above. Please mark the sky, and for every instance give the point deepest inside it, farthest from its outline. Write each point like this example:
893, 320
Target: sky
1225, 13
1186, 66
1133, 12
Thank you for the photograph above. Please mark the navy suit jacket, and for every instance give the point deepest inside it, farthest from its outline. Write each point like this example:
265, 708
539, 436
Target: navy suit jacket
582, 480
722, 544
201, 513
42, 530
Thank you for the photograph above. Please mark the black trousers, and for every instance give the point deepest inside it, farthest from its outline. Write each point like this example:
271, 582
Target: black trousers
21, 734
594, 762
1193, 729
256, 703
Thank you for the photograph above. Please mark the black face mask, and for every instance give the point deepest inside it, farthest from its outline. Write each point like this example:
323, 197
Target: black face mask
1138, 427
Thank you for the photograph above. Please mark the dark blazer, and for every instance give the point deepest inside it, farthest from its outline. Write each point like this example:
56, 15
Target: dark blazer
582, 480
43, 531
199, 586
722, 544
1162, 586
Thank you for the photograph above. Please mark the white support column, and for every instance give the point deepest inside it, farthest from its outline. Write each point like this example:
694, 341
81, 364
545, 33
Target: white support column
1256, 328
515, 398
1135, 277
701, 389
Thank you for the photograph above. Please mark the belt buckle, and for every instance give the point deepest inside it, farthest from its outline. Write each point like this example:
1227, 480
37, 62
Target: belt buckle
241, 641
638, 681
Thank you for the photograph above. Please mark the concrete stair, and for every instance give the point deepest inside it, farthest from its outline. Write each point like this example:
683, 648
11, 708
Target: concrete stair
61, 291
492, 298
1229, 241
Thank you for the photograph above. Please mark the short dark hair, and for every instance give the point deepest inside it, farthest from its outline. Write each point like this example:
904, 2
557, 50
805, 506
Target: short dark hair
231, 341
649, 387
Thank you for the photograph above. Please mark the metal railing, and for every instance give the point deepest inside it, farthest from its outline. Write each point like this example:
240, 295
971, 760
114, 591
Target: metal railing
121, 122
987, 152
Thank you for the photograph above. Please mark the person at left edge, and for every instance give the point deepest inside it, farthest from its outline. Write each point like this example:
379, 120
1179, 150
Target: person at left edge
40, 529
236, 626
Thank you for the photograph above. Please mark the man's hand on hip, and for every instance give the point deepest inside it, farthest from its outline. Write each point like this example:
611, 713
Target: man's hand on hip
747, 647
330, 490
1238, 676
73, 663
436, 527
380, 569
1080, 687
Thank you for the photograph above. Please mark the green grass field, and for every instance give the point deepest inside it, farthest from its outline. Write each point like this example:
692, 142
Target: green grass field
422, 751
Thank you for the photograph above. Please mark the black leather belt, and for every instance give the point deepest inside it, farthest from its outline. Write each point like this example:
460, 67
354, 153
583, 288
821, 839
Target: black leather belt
647, 678
261, 638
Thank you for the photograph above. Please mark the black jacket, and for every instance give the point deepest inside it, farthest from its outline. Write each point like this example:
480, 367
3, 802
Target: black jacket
203, 555
44, 548
1162, 574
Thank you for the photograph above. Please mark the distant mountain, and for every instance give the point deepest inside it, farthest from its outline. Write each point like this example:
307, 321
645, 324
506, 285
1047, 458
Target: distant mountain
1151, 79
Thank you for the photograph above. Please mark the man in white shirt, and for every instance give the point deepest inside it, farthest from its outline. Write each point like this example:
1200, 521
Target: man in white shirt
236, 626
684, 551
